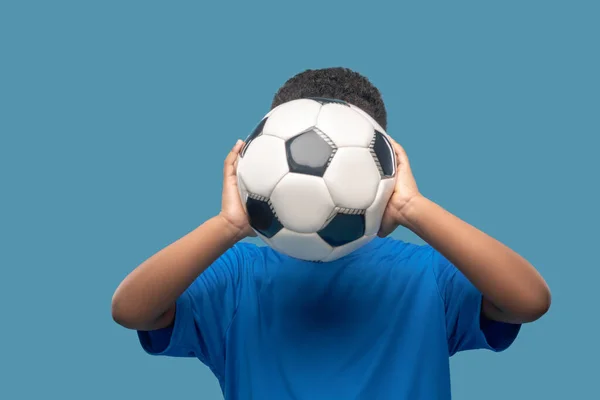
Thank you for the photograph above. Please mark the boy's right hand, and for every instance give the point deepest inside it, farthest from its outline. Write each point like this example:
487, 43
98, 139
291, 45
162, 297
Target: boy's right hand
232, 209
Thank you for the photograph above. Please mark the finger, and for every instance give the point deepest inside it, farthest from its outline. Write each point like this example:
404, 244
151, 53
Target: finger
401, 156
235, 151
395, 146
238, 146
229, 163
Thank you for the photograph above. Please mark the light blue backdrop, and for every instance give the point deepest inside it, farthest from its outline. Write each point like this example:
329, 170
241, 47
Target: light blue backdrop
115, 117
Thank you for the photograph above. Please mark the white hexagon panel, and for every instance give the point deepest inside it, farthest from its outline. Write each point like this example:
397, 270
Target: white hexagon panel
352, 178
263, 165
242, 190
292, 118
374, 213
302, 202
369, 118
344, 126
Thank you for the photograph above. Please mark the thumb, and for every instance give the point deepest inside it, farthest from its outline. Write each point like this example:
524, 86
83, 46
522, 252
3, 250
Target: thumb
229, 164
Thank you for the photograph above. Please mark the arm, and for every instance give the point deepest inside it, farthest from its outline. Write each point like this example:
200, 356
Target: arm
512, 289
146, 299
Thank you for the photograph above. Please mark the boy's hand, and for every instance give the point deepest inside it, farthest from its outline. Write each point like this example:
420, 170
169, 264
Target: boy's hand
405, 191
232, 209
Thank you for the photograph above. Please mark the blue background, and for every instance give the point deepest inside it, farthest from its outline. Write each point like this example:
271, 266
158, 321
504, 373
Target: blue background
115, 117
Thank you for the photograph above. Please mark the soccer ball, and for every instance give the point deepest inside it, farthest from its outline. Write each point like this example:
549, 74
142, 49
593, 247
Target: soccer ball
315, 177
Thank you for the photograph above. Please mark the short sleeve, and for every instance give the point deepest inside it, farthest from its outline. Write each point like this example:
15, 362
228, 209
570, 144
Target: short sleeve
203, 315
467, 328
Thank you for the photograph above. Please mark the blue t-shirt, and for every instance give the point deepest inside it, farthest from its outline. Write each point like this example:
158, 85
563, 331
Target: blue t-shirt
380, 323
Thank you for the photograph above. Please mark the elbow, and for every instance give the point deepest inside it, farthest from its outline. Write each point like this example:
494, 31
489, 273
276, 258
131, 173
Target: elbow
121, 315
536, 306
134, 316
117, 312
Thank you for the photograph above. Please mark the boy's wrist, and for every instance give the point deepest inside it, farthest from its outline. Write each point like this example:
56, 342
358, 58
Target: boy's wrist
231, 233
411, 214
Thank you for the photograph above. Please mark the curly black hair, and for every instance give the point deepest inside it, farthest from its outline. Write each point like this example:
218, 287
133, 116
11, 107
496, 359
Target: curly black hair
335, 83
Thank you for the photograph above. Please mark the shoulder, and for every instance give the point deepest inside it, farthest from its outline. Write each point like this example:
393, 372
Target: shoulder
415, 256
242, 249
231, 268
235, 260
249, 257
399, 251
249, 252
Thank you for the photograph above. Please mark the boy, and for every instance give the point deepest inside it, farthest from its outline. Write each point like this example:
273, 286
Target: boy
380, 323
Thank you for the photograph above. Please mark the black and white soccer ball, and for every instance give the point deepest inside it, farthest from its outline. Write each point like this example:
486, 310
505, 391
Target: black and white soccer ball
315, 177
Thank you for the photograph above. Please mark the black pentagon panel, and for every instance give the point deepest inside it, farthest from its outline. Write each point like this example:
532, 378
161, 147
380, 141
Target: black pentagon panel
309, 153
343, 229
261, 216
324, 100
384, 152
255, 133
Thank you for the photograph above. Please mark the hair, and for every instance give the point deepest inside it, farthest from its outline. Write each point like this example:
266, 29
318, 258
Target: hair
335, 83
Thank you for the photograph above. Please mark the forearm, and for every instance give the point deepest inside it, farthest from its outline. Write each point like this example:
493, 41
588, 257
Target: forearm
152, 289
504, 278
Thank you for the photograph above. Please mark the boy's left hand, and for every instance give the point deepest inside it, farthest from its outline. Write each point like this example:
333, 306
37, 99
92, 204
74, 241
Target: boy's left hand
405, 192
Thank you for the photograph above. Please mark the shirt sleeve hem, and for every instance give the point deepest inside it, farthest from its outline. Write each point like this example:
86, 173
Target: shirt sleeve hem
182, 316
497, 336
